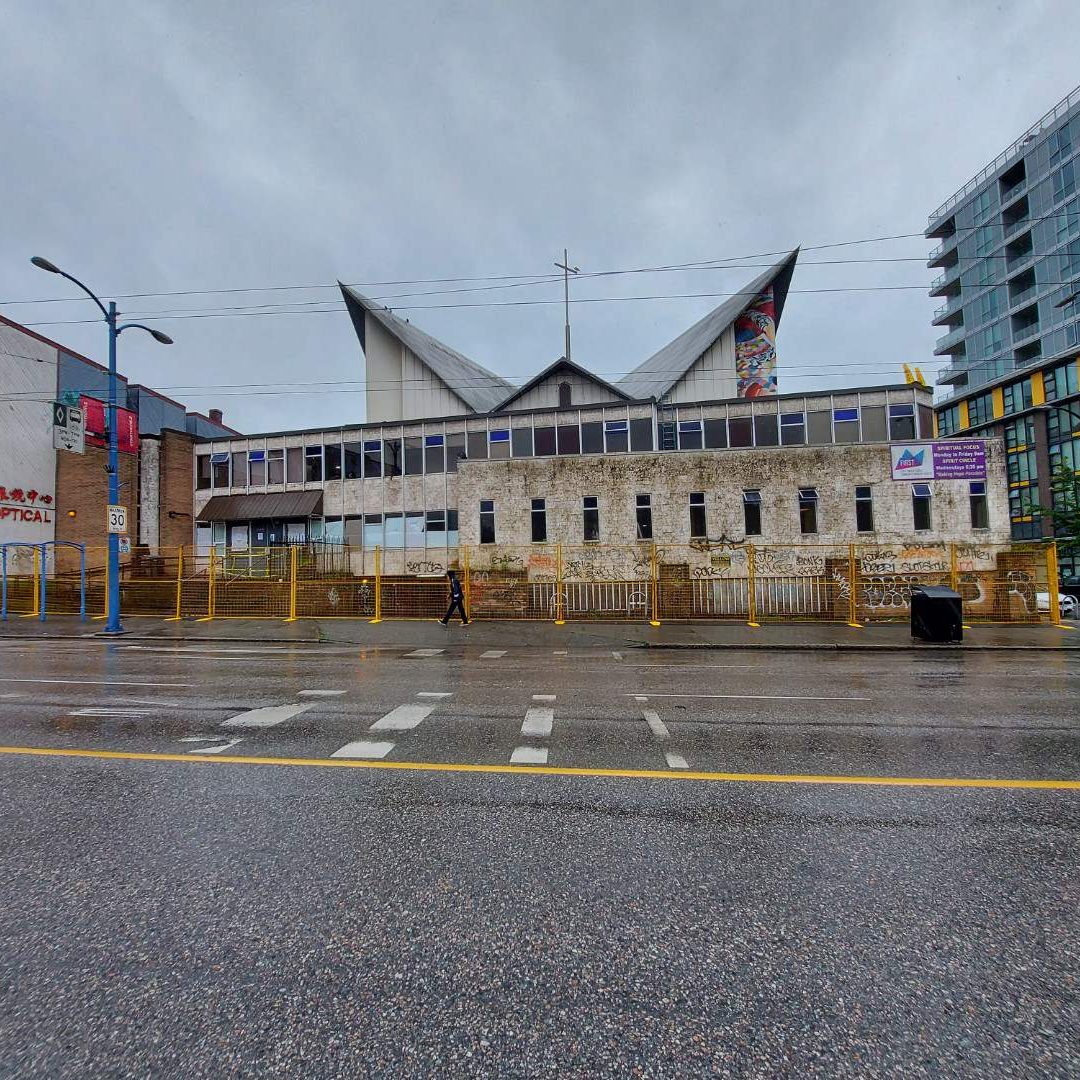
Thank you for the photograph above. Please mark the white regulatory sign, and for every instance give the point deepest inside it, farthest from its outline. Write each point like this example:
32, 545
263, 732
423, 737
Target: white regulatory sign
69, 428
118, 520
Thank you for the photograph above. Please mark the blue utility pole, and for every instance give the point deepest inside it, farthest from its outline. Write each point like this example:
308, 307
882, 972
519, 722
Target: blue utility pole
113, 625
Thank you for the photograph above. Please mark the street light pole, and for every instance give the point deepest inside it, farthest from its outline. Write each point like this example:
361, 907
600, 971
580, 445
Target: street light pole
113, 625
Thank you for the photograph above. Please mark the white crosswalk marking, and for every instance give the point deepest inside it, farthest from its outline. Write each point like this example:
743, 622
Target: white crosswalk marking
423, 654
403, 718
543, 697
270, 716
529, 755
538, 722
362, 748
321, 693
656, 725
492, 654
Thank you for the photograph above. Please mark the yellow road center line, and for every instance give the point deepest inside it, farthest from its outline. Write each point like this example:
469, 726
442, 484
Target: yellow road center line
555, 770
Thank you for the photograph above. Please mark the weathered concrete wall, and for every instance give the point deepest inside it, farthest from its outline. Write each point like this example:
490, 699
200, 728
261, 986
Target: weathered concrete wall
834, 471
149, 486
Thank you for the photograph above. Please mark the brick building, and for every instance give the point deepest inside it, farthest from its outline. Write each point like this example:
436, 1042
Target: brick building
49, 495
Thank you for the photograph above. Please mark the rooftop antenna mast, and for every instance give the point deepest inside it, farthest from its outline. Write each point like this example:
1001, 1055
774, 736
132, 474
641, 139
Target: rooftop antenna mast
567, 270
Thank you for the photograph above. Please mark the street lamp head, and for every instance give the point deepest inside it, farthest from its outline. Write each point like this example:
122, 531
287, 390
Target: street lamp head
163, 338
44, 264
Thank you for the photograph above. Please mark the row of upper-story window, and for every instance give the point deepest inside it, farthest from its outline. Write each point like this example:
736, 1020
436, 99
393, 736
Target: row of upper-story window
417, 455
1055, 383
807, 504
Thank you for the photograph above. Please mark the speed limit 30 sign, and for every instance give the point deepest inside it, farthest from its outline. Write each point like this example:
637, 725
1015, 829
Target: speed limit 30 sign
117, 520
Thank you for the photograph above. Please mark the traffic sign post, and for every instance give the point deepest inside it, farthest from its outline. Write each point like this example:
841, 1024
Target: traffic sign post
69, 428
117, 520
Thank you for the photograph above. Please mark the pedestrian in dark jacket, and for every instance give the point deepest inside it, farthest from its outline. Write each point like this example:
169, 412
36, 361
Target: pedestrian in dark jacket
457, 600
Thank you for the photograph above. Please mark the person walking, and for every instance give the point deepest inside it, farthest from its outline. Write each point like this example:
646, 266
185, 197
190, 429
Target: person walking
457, 600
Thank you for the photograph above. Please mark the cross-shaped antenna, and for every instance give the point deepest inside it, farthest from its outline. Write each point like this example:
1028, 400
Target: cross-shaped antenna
567, 270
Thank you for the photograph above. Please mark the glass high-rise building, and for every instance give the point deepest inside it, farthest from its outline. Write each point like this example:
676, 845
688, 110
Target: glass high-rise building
1010, 257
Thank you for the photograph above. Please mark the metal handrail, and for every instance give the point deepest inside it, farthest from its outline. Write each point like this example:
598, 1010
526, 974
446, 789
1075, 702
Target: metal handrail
976, 181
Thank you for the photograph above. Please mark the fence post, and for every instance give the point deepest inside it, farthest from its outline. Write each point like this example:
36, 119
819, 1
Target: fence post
751, 586
560, 614
1052, 585
654, 587
853, 603
378, 585
467, 584
293, 567
82, 583
211, 586
179, 578
37, 585
3, 582
954, 570
43, 599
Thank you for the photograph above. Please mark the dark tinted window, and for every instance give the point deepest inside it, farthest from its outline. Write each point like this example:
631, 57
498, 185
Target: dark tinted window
544, 441
353, 463
765, 433
592, 438
741, 431
716, 434
202, 471
414, 456
478, 445
372, 459
434, 454
294, 465
239, 470
391, 457
522, 440
641, 434
332, 459
690, 435
873, 423
569, 439
455, 451
819, 427
616, 436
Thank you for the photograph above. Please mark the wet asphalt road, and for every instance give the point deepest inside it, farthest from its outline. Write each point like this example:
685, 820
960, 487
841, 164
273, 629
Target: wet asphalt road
206, 918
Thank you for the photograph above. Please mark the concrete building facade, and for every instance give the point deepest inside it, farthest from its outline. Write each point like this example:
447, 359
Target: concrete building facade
792, 467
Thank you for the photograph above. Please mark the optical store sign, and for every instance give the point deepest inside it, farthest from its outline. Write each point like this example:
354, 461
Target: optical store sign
954, 459
26, 505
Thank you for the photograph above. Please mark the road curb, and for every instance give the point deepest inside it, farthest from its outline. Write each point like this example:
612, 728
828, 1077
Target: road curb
830, 647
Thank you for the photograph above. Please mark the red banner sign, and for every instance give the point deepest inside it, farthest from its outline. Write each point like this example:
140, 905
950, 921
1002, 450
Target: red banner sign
127, 425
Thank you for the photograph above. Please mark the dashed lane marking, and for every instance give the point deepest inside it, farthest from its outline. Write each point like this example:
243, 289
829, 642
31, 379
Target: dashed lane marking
403, 718
492, 654
543, 697
656, 725
529, 755
423, 654
557, 770
675, 761
270, 716
435, 693
761, 697
537, 722
616, 655
104, 711
320, 693
364, 748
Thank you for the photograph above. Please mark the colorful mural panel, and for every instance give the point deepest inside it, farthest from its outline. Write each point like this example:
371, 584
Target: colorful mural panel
755, 347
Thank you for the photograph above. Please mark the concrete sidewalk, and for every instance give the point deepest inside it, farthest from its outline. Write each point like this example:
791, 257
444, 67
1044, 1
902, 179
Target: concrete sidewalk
545, 635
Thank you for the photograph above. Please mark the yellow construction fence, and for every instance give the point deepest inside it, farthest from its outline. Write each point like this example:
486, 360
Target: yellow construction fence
643, 582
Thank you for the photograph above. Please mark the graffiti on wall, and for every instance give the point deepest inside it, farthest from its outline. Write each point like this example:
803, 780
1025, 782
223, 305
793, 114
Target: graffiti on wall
913, 559
755, 347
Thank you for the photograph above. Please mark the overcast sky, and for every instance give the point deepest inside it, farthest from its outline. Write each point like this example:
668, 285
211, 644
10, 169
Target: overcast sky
161, 146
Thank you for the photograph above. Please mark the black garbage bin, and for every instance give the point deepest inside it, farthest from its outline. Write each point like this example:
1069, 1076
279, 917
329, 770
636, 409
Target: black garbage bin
937, 613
